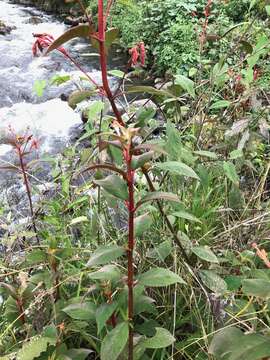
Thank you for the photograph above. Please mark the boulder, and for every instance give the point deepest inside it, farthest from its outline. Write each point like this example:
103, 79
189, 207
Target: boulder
5, 29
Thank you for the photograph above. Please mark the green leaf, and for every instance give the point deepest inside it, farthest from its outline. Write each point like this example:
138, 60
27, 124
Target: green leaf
78, 220
186, 215
139, 161
110, 36
78, 96
75, 354
159, 277
117, 73
115, 186
36, 256
32, 349
77, 31
256, 287
142, 223
267, 8
95, 109
221, 104
233, 344
207, 154
103, 313
114, 342
236, 154
162, 339
105, 254
158, 195
59, 79
161, 251
107, 272
39, 86
145, 114
81, 311
178, 168
230, 172
149, 90
205, 253
213, 281
186, 84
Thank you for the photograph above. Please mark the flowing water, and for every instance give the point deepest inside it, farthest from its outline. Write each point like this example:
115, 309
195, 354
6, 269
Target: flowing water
49, 119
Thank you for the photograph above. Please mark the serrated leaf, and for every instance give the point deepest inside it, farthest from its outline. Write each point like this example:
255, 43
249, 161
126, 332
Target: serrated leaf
105, 254
142, 223
157, 277
178, 168
83, 31
103, 313
162, 339
213, 281
81, 311
107, 272
32, 349
230, 172
114, 342
158, 195
95, 109
115, 186
205, 253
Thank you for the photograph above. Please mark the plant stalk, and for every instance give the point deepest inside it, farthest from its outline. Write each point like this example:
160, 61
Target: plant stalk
103, 62
131, 241
28, 191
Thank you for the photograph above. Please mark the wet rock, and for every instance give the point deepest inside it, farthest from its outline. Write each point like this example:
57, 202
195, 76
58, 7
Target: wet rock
5, 29
74, 21
34, 20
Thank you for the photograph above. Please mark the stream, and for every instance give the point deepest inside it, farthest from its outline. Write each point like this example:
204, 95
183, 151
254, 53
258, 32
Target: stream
47, 117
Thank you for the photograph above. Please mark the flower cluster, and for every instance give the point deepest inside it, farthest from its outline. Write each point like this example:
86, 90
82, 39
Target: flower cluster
43, 41
138, 54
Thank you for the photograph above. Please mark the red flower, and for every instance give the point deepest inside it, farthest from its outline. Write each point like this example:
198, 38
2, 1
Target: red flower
134, 55
138, 52
142, 53
42, 42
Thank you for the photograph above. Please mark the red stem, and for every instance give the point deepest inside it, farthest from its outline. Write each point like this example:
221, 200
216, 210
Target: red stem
103, 62
28, 191
131, 241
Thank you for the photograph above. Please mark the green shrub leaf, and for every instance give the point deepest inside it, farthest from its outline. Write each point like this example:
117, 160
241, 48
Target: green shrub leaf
114, 185
105, 254
178, 168
159, 277
81, 311
256, 287
142, 223
162, 339
205, 253
114, 342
